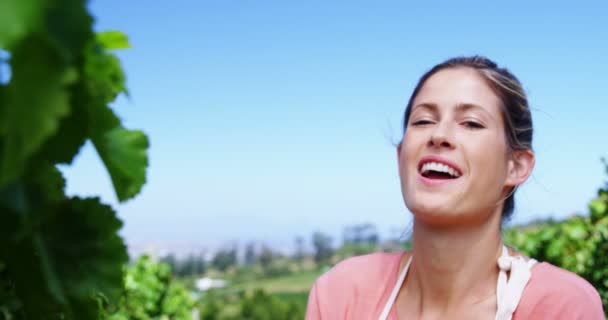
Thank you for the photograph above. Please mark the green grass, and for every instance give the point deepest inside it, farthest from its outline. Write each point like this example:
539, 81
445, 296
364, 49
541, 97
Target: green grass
299, 297
291, 289
294, 283
297, 283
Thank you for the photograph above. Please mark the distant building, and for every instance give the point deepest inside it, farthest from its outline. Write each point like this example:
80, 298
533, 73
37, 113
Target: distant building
206, 283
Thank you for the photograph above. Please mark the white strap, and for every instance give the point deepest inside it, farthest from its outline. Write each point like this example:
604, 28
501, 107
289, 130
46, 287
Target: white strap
508, 291
393, 296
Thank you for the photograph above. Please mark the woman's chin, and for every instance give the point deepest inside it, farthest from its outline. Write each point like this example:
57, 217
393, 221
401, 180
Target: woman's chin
440, 213
447, 214
431, 204
436, 217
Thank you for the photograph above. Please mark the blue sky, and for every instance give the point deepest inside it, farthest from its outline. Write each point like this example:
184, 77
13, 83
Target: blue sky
271, 119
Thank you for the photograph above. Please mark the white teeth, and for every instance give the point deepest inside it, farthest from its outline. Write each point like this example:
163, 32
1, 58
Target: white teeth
439, 167
452, 172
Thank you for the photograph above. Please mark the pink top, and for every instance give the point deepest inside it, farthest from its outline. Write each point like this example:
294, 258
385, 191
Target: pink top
359, 287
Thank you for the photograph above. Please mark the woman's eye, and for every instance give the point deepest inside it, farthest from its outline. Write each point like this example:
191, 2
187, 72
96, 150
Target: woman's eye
422, 122
473, 125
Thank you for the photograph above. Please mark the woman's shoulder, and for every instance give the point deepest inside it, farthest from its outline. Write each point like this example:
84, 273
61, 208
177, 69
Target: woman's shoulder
556, 291
362, 271
353, 287
549, 279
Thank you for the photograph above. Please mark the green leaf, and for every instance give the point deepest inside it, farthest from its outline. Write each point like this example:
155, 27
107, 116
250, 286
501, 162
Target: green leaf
36, 99
113, 40
17, 18
547, 233
44, 184
12, 202
69, 27
105, 77
124, 153
598, 208
151, 293
73, 131
576, 231
10, 306
73, 254
555, 249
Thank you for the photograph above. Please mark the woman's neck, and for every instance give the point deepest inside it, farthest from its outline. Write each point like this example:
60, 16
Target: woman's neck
454, 267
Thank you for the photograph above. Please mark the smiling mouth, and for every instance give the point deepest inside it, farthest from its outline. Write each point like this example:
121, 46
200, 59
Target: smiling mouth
439, 171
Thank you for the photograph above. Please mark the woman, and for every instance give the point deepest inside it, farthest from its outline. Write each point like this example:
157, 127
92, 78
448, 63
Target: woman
467, 145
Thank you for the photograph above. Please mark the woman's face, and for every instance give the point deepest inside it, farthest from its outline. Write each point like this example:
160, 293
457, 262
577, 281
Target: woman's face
454, 160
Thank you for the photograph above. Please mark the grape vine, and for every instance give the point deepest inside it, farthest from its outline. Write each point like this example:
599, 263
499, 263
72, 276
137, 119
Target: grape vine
60, 256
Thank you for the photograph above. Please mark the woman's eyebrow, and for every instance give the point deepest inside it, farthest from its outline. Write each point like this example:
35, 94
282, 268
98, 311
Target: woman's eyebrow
462, 107
426, 105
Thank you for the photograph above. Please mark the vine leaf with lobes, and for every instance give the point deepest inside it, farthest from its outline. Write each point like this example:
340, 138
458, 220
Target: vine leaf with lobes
60, 257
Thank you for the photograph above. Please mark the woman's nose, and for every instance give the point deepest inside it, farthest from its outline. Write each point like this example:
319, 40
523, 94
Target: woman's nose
440, 137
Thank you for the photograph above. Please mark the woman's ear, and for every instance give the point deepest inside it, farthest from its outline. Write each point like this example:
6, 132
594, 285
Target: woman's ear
520, 167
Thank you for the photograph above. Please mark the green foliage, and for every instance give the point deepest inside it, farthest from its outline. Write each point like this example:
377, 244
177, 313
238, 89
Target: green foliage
322, 245
151, 293
273, 264
33, 103
73, 256
193, 265
578, 244
361, 234
262, 306
256, 305
113, 40
351, 249
60, 257
124, 154
220, 307
210, 310
224, 259
18, 18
